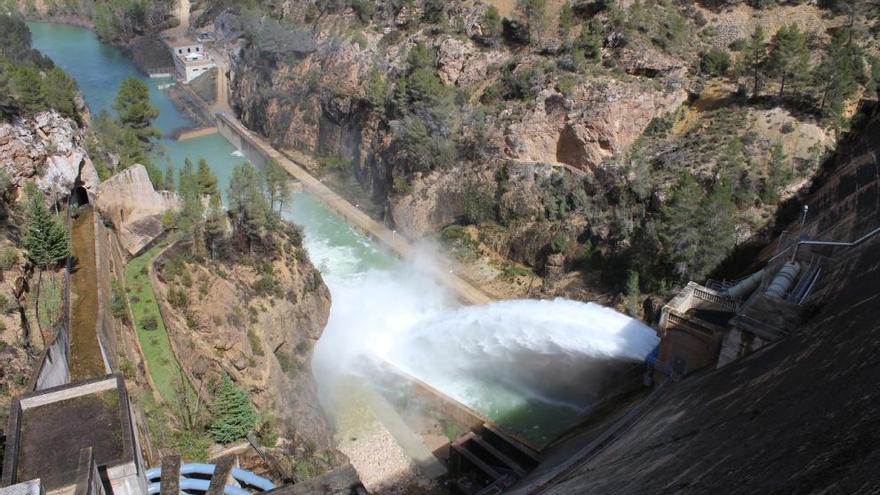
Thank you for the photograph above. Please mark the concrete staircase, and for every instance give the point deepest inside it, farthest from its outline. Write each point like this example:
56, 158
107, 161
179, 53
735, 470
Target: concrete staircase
486, 461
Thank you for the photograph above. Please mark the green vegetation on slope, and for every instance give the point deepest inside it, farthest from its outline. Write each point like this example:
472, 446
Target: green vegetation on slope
129, 134
155, 343
29, 82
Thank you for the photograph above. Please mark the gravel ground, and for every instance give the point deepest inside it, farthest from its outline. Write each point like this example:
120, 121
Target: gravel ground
382, 465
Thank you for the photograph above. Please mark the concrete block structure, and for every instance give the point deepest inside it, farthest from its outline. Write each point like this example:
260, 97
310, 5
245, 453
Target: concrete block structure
692, 327
76, 439
190, 59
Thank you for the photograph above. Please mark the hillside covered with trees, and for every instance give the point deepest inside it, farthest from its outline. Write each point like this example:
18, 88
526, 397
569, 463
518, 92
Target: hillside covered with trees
591, 149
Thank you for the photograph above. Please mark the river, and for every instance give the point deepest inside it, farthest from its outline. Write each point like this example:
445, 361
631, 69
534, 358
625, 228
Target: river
382, 305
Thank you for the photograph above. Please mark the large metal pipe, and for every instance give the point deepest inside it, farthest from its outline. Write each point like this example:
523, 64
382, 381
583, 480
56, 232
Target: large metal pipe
198, 485
784, 280
241, 475
746, 285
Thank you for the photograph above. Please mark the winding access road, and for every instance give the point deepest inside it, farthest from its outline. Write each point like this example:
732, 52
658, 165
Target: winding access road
463, 289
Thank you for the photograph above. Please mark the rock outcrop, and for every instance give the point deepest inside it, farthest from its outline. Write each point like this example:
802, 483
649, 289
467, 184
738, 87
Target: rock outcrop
47, 149
129, 200
259, 324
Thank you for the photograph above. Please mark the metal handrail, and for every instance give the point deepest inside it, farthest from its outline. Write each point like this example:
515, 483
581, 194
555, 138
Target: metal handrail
804, 242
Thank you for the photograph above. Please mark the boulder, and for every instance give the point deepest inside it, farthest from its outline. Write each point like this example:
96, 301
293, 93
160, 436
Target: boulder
129, 201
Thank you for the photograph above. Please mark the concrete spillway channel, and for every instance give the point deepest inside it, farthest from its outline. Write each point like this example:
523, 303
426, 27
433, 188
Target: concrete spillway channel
86, 360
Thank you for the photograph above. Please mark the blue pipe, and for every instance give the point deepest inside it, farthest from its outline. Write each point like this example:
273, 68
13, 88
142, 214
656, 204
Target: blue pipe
241, 475
197, 485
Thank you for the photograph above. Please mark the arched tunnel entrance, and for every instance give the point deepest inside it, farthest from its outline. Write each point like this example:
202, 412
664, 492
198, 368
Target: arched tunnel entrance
79, 196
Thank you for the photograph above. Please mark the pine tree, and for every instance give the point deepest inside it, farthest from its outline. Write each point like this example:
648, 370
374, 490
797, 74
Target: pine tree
734, 172
206, 180
215, 224
679, 230
590, 39
754, 58
838, 73
191, 218
134, 110
566, 19
169, 177
632, 293
8, 105
777, 174
45, 240
234, 413
872, 87
696, 230
26, 86
59, 92
789, 59
277, 184
248, 204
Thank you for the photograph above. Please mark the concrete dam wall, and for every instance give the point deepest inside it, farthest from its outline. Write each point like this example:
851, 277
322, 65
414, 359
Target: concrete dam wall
795, 417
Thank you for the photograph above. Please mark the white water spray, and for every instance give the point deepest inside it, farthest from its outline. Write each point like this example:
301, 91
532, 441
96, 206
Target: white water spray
500, 359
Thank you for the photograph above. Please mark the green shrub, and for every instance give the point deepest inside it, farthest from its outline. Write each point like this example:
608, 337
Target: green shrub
559, 243
715, 62
149, 322
3, 343
178, 298
8, 258
256, 342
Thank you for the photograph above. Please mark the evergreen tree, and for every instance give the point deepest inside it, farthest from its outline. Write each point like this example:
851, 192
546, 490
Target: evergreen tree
789, 59
492, 24
206, 180
872, 87
134, 110
169, 177
734, 172
45, 240
696, 230
215, 224
8, 105
590, 39
566, 19
59, 92
533, 11
777, 174
234, 413
248, 204
186, 181
752, 63
839, 72
277, 184
26, 86
632, 293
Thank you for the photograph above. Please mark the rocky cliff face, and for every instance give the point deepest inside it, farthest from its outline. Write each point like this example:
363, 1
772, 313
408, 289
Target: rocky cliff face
525, 137
47, 149
316, 99
257, 323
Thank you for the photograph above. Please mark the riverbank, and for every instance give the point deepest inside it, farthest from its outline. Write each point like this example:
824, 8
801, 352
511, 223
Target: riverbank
233, 130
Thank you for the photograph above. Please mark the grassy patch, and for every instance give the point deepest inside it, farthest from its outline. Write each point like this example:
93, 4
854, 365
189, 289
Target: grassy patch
50, 301
155, 343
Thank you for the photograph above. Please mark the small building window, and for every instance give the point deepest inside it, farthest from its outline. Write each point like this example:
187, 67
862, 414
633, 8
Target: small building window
188, 49
180, 50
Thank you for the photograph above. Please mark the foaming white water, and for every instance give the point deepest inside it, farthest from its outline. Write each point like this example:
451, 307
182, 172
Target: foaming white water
550, 351
494, 358
238, 154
